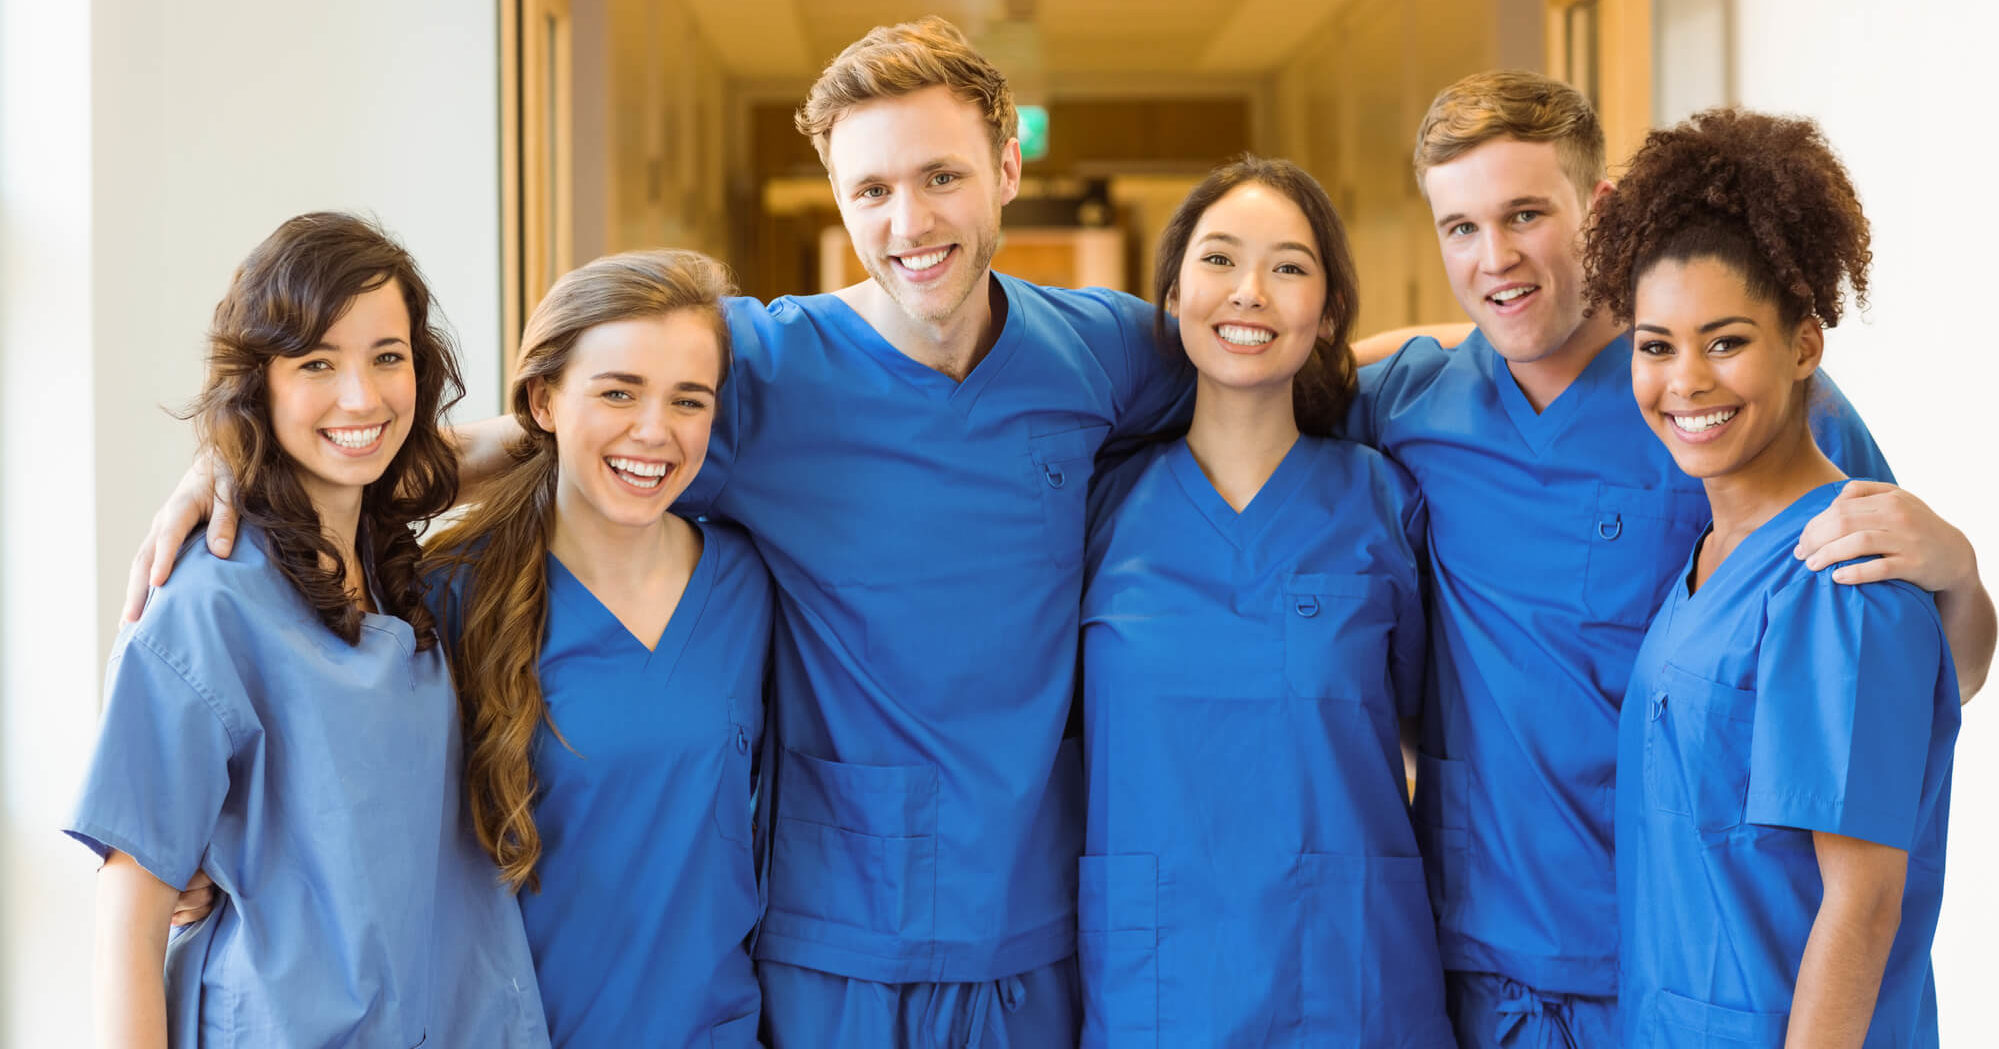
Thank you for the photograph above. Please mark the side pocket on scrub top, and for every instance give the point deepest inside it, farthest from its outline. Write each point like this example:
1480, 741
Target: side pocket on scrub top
1443, 789
1637, 538
1369, 953
856, 845
1117, 917
1063, 463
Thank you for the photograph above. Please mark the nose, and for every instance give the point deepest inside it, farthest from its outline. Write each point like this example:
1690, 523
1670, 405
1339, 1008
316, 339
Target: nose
358, 394
1689, 374
909, 218
649, 423
1496, 252
1248, 291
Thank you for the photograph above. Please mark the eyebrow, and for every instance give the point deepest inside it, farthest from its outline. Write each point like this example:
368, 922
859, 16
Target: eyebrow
392, 340
1703, 329
632, 379
1289, 245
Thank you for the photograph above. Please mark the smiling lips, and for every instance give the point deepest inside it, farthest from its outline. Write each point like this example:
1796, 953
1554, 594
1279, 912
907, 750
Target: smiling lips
354, 440
643, 474
1507, 296
1703, 426
924, 265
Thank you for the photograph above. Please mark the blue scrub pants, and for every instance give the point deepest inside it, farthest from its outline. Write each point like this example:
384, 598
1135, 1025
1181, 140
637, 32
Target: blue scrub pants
807, 1009
1490, 1011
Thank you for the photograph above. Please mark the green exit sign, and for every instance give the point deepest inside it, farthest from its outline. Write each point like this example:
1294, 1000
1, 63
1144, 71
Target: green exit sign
1033, 132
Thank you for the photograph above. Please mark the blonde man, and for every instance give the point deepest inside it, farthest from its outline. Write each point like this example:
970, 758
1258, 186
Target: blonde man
1556, 524
911, 455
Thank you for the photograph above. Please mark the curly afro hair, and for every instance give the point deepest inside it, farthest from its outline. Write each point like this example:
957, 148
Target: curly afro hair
1763, 194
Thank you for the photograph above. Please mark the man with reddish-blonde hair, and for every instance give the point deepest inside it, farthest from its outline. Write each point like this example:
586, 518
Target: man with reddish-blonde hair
1557, 523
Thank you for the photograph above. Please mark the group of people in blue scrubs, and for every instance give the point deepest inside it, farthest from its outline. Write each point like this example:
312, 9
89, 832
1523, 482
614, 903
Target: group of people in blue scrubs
954, 661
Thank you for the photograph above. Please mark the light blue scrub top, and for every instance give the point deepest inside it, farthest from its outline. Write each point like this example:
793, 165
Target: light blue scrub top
1553, 538
648, 896
926, 539
318, 784
1251, 876
1769, 704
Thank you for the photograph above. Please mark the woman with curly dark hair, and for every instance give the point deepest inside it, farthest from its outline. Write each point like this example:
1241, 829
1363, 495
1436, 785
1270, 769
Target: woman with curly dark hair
283, 722
1784, 754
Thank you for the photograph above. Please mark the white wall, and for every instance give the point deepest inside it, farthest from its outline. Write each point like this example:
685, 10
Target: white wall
1903, 92
145, 147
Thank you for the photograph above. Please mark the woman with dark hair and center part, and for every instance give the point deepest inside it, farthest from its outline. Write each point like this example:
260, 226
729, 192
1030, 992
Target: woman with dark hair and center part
1253, 640
610, 656
283, 721
1784, 755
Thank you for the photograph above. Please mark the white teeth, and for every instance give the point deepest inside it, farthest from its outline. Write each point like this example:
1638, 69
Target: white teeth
1700, 423
354, 438
924, 261
642, 475
1241, 336
634, 466
1511, 293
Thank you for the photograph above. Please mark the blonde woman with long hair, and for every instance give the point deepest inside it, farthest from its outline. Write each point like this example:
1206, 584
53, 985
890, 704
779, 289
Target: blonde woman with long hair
610, 658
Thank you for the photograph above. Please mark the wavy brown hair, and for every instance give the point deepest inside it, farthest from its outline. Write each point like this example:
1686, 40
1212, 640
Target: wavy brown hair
497, 551
1325, 385
292, 288
1764, 195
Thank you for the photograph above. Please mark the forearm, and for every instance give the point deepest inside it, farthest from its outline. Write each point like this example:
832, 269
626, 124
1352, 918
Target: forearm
1839, 976
482, 451
1382, 344
130, 1001
1972, 629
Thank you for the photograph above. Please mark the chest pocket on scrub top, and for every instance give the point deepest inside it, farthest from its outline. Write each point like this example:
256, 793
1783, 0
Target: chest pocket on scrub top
1637, 538
1063, 463
1697, 742
1335, 635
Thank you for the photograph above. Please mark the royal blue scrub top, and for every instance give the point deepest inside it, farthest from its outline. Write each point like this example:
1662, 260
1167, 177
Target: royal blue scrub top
926, 539
1769, 704
648, 894
1251, 876
316, 782
1553, 538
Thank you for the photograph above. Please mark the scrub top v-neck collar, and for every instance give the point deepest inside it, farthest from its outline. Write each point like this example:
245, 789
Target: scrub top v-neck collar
1539, 429
1240, 529
932, 382
564, 587
1759, 546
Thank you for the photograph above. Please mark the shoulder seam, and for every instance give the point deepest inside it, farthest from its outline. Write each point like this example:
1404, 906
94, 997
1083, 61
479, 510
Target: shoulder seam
181, 670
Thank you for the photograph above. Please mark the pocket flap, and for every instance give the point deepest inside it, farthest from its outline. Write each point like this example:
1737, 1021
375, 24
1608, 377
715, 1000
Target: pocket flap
1717, 1021
887, 801
1069, 445
1325, 584
1118, 893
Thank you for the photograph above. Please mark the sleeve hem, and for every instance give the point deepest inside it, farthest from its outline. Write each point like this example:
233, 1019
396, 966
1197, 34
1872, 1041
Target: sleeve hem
103, 841
1803, 812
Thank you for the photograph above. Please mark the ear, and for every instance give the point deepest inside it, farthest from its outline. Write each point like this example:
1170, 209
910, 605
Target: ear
1809, 343
541, 398
1173, 301
1009, 171
1604, 187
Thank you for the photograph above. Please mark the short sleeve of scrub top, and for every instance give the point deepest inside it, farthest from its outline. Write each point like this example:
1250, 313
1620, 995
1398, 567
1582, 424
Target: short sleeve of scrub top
160, 773
745, 342
1156, 392
1844, 712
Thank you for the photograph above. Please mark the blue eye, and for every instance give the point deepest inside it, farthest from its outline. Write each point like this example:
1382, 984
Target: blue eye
943, 178
1462, 229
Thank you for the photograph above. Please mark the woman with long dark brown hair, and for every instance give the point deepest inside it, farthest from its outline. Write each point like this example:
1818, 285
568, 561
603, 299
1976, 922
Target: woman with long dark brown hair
610, 656
1252, 639
283, 721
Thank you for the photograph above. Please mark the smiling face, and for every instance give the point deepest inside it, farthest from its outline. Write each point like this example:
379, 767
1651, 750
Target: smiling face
342, 410
1509, 222
1717, 373
1251, 295
630, 413
920, 194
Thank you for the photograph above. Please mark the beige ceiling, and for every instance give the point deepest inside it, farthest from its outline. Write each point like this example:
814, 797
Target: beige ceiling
795, 38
